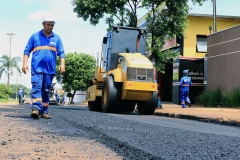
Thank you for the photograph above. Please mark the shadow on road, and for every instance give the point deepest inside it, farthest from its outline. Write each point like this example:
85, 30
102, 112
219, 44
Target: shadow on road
17, 116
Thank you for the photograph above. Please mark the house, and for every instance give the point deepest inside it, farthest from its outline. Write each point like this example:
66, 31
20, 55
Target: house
192, 49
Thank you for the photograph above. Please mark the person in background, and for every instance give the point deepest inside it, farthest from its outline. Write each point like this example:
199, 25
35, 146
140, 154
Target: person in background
185, 83
57, 97
63, 98
23, 92
20, 96
45, 47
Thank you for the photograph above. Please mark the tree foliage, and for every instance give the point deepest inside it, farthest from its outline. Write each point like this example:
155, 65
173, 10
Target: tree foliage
5, 91
79, 71
7, 66
163, 24
171, 21
125, 11
94, 10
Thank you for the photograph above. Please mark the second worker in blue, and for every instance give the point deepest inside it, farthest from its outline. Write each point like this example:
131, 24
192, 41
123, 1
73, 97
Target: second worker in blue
185, 83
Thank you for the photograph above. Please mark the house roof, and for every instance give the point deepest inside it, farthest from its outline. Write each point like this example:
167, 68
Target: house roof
210, 16
141, 21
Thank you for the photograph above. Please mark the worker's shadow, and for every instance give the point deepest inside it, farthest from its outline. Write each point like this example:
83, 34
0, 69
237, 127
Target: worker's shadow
19, 116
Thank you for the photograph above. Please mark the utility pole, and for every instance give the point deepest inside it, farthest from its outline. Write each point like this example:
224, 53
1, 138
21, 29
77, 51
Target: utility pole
9, 34
214, 17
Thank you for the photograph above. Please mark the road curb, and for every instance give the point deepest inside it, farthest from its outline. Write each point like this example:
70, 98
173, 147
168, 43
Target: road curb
222, 121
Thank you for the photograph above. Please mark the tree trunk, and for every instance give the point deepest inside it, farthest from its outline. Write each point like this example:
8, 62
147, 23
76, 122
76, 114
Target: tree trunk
8, 82
74, 92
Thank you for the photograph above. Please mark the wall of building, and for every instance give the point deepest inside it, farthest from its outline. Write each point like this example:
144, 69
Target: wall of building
190, 58
193, 59
80, 96
224, 59
200, 26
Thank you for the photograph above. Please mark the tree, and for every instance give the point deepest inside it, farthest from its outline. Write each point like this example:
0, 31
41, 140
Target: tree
79, 71
163, 24
7, 66
5, 91
94, 10
171, 21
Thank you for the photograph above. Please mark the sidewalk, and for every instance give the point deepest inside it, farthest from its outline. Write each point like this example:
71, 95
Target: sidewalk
224, 116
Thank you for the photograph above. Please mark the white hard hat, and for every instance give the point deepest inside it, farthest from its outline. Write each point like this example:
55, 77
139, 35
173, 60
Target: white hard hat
48, 17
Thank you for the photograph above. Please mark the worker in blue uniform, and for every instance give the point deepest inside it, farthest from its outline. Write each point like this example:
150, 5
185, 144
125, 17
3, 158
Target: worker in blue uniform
185, 83
63, 99
45, 47
57, 97
20, 96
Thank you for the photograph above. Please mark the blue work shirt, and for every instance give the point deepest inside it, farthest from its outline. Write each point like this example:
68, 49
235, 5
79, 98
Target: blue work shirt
21, 92
185, 82
44, 52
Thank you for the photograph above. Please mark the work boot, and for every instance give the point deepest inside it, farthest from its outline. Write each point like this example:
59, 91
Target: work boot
35, 113
46, 116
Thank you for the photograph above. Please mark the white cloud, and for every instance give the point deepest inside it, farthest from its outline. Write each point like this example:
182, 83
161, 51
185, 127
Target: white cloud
62, 13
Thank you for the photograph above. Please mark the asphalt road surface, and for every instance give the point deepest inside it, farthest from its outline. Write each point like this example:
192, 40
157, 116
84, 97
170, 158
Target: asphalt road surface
73, 132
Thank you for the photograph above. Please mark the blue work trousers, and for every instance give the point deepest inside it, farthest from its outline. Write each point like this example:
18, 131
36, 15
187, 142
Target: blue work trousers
41, 84
20, 99
184, 97
57, 98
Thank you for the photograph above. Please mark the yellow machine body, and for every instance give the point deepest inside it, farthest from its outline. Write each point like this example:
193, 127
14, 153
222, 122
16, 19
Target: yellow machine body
132, 88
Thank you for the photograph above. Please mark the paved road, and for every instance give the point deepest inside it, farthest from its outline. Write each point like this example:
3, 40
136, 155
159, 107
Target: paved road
76, 133
184, 124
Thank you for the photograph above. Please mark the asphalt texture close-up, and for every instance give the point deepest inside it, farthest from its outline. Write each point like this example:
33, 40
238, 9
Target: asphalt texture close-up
74, 132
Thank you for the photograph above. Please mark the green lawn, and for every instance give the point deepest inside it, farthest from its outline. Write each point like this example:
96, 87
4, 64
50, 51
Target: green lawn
7, 100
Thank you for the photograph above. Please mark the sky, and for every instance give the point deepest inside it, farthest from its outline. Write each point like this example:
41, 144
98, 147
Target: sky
24, 17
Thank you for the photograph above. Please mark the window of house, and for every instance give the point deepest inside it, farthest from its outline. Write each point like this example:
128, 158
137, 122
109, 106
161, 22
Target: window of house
201, 45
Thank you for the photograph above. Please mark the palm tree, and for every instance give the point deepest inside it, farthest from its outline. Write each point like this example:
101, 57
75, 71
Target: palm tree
7, 66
